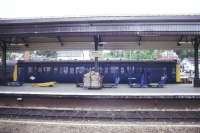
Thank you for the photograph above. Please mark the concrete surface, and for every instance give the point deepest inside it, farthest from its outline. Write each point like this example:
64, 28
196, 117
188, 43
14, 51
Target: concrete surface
170, 91
78, 126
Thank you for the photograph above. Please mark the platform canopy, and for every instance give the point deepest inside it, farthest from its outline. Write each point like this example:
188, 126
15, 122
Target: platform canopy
139, 32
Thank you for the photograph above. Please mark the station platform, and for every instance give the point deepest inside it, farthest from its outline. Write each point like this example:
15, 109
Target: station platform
181, 91
83, 126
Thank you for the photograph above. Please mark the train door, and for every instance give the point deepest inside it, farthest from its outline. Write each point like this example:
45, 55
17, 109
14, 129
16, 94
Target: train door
123, 72
31, 72
81, 69
20, 72
71, 72
114, 71
63, 72
105, 72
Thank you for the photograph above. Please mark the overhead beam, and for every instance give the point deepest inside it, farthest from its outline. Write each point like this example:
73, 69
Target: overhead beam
106, 45
108, 42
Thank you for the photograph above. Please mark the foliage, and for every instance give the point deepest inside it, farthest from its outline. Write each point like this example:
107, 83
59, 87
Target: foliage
132, 54
185, 53
147, 54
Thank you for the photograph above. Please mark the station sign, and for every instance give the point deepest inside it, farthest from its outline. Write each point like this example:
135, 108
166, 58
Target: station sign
94, 54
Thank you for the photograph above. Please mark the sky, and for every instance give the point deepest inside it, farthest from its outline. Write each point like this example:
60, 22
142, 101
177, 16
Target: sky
80, 8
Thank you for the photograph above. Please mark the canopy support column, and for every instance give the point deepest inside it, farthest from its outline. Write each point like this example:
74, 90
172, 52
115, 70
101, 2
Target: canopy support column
4, 64
196, 63
96, 47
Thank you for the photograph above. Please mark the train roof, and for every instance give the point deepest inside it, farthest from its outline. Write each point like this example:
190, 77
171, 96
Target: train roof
107, 61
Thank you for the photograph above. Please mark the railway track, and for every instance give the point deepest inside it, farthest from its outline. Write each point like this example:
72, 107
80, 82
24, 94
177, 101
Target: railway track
110, 109
53, 114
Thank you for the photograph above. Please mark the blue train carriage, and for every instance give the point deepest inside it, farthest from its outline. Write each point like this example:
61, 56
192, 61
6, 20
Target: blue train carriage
153, 73
73, 71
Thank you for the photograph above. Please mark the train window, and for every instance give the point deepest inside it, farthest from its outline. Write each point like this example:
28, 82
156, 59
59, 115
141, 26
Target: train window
77, 70
122, 70
61, 70
65, 70
71, 70
173, 70
82, 69
48, 69
100, 69
44, 69
113, 69
39, 69
55, 69
164, 70
20, 70
128, 69
106, 70
34, 68
30, 69
133, 68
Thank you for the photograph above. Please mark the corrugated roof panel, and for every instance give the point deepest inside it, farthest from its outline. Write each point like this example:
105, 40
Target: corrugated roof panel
117, 32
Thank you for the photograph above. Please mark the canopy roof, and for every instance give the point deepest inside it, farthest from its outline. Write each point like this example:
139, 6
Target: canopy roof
160, 32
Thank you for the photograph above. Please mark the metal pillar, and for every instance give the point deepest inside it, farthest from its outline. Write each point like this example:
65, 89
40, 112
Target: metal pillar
4, 65
196, 63
96, 45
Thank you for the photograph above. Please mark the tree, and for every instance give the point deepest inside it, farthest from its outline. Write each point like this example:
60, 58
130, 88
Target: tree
185, 53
